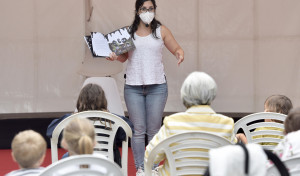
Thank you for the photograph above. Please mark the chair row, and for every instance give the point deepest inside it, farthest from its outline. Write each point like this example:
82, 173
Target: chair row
188, 154
105, 142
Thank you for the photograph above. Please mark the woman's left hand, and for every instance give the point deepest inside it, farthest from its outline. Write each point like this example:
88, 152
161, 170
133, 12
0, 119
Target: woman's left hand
180, 56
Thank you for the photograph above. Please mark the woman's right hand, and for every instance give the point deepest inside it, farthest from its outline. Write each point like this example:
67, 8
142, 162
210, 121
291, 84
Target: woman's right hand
112, 57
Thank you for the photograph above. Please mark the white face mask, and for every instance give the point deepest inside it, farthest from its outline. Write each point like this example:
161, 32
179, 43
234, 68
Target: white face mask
147, 17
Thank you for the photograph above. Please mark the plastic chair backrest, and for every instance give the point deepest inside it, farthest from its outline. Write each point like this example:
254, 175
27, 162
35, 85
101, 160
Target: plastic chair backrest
187, 153
293, 165
104, 142
109, 86
79, 165
254, 121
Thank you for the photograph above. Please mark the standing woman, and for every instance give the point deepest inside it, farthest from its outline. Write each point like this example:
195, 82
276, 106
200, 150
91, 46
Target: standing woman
146, 89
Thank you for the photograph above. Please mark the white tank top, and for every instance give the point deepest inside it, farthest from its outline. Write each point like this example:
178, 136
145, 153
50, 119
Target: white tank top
145, 65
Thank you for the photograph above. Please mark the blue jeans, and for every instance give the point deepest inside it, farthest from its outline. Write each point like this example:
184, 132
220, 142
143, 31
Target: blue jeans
145, 105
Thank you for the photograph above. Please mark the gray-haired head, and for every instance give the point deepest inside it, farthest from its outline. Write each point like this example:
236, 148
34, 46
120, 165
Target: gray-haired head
198, 89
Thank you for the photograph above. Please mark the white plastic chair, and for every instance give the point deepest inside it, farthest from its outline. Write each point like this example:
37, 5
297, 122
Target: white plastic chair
109, 86
293, 165
187, 153
104, 142
80, 165
249, 123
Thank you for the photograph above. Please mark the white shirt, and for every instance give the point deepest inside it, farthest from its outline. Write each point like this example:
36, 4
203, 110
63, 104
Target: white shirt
289, 147
145, 65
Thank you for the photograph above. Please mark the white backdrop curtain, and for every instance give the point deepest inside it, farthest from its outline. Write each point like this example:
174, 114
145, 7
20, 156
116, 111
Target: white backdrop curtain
250, 47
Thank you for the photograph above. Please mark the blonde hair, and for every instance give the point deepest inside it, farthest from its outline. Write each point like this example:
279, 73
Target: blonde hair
79, 136
28, 147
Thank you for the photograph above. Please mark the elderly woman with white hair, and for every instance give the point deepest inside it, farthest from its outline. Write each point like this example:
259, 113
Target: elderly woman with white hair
197, 93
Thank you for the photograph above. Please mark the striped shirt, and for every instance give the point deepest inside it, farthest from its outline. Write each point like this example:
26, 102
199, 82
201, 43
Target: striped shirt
196, 118
26, 172
268, 136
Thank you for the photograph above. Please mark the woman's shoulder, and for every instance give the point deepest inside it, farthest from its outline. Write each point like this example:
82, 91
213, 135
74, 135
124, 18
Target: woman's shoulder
162, 26
164, 30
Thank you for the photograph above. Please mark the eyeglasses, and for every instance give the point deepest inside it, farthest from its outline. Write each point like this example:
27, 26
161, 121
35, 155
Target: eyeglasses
144, 9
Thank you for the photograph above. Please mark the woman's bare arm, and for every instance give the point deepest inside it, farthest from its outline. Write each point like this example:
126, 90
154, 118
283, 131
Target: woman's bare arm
172, 44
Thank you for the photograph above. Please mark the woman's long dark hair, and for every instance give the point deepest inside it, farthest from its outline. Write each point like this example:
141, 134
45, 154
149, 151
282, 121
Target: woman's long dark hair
134, 26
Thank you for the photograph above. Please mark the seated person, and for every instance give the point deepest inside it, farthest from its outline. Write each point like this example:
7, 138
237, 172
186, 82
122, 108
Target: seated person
274, 103
290, 146
28, 150
79, 137
197, 93
92, 97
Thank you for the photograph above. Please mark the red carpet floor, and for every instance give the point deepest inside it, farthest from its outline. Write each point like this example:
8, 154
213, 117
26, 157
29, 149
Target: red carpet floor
7, 164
